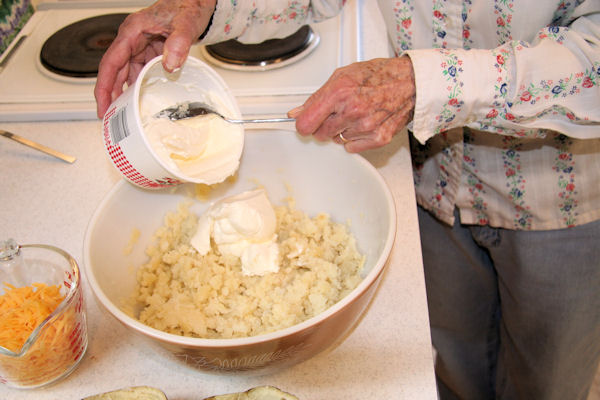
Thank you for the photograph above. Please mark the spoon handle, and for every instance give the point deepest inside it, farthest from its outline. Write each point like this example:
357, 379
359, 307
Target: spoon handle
37, 146
258, 120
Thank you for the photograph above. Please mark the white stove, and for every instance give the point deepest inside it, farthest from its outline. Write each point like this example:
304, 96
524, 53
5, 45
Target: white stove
29, 92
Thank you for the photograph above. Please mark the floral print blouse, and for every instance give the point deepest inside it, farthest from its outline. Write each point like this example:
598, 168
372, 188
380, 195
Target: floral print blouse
507, 119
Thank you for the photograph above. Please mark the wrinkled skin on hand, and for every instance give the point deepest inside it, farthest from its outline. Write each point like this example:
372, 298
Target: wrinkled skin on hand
369, 102
168, 27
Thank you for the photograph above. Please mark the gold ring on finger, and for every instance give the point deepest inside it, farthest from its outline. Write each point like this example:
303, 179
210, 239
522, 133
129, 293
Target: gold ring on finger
342, 138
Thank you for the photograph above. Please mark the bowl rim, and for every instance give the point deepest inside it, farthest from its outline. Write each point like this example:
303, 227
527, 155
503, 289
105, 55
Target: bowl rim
165, 337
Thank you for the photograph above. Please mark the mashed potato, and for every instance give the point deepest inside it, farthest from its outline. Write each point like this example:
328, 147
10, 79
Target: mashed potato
184, 293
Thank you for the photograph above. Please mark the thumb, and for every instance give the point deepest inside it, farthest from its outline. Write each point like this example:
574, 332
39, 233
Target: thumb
175, 50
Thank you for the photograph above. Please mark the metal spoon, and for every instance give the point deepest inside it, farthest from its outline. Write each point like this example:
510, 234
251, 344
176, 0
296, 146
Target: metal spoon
193, 109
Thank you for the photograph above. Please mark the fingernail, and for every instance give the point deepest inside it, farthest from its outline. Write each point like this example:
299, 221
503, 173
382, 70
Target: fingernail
170, 62
293, 113
169, 65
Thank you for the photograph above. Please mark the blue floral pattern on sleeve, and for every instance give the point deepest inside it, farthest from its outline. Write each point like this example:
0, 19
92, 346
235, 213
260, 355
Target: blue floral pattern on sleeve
295, 10
451, 69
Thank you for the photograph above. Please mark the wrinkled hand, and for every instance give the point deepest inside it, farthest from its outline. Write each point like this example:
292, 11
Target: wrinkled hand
168, 27
366, 101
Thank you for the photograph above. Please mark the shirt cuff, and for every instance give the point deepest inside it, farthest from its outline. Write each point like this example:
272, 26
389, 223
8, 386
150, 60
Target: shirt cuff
453, 87
228, 21
243, 21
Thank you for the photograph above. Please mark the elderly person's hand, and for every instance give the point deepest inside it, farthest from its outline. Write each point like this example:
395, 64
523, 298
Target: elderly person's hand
168, 27
365, 102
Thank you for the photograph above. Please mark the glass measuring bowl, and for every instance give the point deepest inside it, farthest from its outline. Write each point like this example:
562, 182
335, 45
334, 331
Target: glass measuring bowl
58, 343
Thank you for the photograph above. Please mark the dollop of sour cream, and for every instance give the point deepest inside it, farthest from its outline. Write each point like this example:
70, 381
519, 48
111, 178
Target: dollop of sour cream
242, 225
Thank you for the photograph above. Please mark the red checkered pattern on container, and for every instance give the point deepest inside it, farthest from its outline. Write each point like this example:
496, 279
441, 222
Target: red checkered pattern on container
116, 154
119, 159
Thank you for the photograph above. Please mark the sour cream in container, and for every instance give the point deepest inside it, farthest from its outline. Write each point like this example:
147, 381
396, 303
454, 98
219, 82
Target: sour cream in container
154, 152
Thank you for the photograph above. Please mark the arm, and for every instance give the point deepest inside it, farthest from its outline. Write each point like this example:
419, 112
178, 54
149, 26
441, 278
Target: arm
521, 89
256, 21
516, 89
170, 27
167, 27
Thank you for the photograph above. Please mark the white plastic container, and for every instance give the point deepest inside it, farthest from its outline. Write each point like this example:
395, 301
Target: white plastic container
123, 133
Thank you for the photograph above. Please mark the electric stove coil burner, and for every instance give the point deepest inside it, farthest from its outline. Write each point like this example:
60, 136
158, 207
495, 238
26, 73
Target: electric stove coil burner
76, 50
271, 52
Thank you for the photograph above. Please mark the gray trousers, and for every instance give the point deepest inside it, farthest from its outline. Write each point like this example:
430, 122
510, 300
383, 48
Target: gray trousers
514, 314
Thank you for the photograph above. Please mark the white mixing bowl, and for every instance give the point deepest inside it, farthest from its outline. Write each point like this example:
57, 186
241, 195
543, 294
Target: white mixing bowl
321, 178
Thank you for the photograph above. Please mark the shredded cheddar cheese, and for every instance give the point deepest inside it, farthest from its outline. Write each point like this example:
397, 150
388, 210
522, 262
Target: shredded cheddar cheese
57, 347
23, 309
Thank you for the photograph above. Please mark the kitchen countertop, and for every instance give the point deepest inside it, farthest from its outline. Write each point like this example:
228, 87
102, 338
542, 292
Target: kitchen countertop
387, 356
